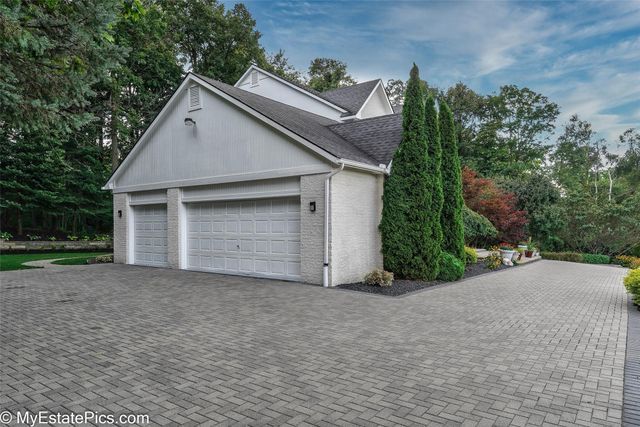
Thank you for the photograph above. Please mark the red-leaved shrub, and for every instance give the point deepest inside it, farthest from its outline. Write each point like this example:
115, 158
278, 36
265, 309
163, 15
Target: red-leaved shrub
485, 197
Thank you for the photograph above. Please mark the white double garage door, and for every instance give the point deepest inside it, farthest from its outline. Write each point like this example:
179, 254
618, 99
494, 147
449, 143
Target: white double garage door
249, 237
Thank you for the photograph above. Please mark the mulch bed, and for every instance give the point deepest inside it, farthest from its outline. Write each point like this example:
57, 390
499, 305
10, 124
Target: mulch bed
401, 287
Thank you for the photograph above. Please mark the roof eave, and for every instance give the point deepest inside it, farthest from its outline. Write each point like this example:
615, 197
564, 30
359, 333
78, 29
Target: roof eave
380, 169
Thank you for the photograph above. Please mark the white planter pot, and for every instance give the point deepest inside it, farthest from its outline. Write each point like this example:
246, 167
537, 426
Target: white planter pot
507, 254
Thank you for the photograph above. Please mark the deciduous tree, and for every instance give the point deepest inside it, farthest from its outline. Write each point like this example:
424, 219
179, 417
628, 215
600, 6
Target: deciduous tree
483, 196
214, 41
327, 73
279, 64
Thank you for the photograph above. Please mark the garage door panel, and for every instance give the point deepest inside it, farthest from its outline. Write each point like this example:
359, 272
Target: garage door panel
278, 226
293, 268
247, 245
252, 237
246, 226
278, 247
262, 226
150, 235
262, 246
293, 226
293, 247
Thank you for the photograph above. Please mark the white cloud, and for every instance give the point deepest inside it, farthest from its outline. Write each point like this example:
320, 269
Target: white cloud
585, 56
487, 36
593, 100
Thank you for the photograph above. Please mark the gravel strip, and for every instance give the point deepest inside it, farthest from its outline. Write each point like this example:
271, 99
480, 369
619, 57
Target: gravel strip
402, 287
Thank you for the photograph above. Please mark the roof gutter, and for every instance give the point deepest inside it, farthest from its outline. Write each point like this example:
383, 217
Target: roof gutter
327, 213
364, 166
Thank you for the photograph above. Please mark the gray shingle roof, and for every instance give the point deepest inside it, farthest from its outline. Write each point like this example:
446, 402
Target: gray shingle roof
311, 127
377, 136
351, 98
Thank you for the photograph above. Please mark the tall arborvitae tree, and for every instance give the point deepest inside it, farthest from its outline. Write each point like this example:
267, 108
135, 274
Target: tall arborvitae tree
406, 243
451, 217
435, 180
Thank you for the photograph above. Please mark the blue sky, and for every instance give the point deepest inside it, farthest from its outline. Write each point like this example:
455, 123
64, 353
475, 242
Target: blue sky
583, 55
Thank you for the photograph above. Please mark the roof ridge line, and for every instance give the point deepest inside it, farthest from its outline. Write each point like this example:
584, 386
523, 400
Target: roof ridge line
363, 120
269, 99
356, 84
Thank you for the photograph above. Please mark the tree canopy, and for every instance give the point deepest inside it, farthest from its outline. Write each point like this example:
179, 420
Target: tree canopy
326, 74
214, 41
81, 81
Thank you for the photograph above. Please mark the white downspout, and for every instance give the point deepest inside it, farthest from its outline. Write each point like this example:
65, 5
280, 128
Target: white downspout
327, 212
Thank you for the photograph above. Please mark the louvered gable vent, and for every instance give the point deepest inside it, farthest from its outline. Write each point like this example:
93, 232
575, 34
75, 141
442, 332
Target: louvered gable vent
194, 98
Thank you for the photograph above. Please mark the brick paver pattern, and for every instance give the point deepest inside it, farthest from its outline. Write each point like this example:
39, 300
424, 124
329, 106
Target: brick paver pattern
539, 344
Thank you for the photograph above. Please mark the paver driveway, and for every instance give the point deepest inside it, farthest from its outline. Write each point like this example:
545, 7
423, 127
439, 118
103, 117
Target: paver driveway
541, 343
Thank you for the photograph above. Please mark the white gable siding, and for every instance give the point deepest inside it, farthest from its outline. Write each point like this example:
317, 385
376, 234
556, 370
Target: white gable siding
225, 142
377, 105
271, 88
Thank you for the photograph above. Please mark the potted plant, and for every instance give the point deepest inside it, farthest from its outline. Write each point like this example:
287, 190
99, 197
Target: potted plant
506, 251
529, 252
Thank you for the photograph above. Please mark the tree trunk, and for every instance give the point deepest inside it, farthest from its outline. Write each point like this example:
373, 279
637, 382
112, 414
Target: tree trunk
101, 133
115, 152
74, 226
19, 216
610, 183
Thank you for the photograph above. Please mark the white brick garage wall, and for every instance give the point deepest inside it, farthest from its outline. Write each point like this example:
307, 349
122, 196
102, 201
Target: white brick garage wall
356, 210
354, 249
312, 228
120, 228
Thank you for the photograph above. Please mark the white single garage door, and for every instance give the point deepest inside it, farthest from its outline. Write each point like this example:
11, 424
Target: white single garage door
150, 235
251, 238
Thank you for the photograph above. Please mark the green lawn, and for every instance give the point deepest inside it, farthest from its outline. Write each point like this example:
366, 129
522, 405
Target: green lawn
14, 261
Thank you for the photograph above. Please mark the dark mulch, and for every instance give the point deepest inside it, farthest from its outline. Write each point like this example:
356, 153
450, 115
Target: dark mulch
401, 287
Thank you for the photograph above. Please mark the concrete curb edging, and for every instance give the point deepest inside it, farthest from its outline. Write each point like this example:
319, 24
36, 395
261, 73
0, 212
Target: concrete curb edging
631, 399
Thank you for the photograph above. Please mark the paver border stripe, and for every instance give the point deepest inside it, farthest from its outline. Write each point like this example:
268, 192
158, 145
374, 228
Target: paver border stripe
631, 398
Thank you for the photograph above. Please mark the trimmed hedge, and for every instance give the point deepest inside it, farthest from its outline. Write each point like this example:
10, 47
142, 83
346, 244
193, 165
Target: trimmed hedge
470, 255
577, 257
563, 256
596, 259
451, 268
627, 261
632, 283
478, 230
